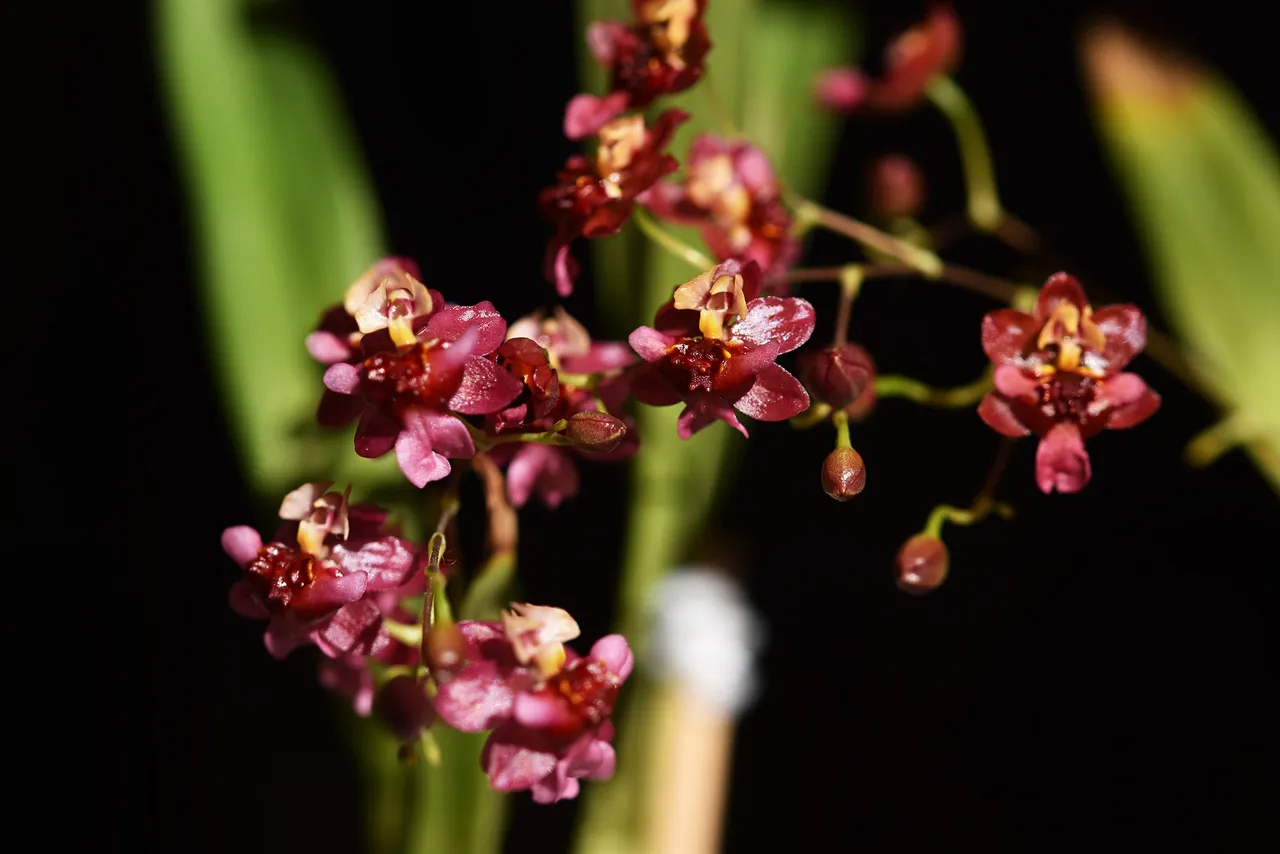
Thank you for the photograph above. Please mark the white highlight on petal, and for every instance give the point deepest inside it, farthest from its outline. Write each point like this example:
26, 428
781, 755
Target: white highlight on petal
706, 636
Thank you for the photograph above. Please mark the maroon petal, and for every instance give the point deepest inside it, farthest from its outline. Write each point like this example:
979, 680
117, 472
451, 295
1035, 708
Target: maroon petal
517, 758
485, 389
787, 321
676, 322
1133, 401
1062, 463
1125, 329
476, 699
775, 396
1059, 287
586, 114
651, 344
560, 267
1006, 333
241, 543
452, 323
647, 385
338, 410
343, 378
704, 412
375, 434
995, 411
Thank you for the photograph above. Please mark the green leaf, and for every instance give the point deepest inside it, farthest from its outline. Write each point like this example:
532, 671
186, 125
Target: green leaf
1203, 183
284, 215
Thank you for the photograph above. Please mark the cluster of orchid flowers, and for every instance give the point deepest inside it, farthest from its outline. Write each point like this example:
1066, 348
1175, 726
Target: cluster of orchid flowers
451, 389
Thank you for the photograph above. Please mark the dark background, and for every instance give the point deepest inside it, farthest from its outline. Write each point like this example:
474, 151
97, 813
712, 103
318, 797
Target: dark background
1096, 670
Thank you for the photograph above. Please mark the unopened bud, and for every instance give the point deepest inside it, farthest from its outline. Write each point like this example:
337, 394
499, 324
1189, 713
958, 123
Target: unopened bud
404, 707
595, 431
841, 89
836, 376
922, 564
445, 648
843, 474
895, 187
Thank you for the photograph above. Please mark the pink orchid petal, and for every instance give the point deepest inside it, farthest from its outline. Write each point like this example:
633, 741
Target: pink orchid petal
775, 396
329, 593
476, 699
354, 625
1062, 463
486, 388
785, 321
603, 38
564, 268
327, 348
1006, 333
995, 411
243, 599
651, 344
375, 434
241, 543
387, 561
540, 711
603, 356
841, 89
285, 634
449, 436
549, 471
586, 114
1016, 383
614, 651
418, 460
343, 378
703, 413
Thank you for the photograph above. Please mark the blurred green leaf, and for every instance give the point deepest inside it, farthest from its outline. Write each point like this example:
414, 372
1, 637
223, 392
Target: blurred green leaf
1203, 182
284, 216
760, 72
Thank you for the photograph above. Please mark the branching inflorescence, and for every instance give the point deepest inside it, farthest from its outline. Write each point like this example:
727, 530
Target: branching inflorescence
454, 390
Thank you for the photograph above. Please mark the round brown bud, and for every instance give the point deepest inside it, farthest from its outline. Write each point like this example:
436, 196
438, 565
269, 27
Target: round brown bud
895, 187
403, 706
836, 376
595, 431
445, 648
843, 474
922, 564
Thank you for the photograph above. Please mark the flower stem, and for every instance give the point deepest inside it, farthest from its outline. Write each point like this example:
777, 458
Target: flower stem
486, 593
841, 419
850, 284
809, 213
952, 274
670, 242
984, 208
983, 504
958, 397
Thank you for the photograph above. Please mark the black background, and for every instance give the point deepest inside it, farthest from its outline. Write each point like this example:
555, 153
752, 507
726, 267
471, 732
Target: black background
1096, 670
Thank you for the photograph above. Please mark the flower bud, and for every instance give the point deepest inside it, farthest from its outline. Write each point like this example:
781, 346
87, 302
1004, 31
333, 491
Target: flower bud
445, 648
595, 431
836, 376
404, 707
841, 89
843, 474
922, 564
895, 187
